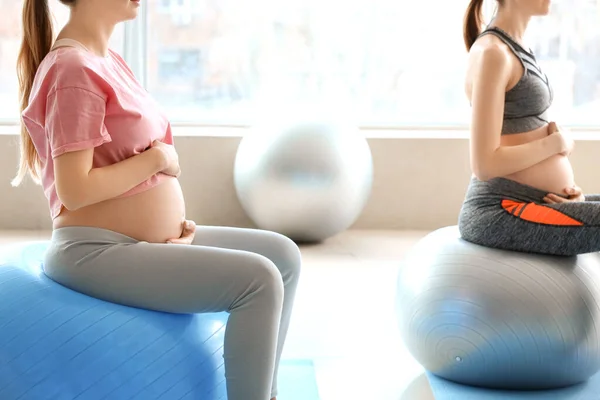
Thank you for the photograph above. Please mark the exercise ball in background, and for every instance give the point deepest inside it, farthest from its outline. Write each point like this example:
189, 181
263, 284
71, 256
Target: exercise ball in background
500, 319
306, 178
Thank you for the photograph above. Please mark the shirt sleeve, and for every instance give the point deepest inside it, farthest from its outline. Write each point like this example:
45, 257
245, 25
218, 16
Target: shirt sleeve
75, 120
169, 135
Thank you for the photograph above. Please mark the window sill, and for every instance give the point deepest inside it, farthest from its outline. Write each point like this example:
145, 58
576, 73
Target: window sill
454, 133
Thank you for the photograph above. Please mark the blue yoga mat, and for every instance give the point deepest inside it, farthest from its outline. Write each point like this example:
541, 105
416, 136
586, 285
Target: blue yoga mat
445, 390
297, 380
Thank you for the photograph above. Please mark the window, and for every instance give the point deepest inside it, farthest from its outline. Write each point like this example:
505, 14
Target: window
9, 48
180, 11
391, 63
10, 42
567, 44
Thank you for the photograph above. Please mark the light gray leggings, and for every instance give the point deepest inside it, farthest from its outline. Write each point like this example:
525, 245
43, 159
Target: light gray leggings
252, 274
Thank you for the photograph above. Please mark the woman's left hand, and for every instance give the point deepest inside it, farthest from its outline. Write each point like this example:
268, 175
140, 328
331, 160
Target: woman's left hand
574, 194
187, 235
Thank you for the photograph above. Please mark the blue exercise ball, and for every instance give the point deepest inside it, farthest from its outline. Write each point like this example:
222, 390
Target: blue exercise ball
500, 319
306, 178
56, 343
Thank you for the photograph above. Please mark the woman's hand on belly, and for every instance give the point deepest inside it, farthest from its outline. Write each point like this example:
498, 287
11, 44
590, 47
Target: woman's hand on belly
187, 235
563, 138
170, 158
552, 175
574, 194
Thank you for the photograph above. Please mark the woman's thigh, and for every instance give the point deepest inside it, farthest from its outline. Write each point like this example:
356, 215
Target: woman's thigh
276, 247
564, 229
163, 277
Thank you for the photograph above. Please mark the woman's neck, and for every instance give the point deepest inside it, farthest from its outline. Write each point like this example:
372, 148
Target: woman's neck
91, 32
512, 22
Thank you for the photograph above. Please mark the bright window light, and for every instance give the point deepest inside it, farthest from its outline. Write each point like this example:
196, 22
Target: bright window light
388, 63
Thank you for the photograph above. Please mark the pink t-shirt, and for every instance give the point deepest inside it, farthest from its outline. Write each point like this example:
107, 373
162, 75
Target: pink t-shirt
79, 101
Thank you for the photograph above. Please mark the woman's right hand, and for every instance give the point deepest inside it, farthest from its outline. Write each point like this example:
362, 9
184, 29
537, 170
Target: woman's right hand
574, 194
170, 158
562, 140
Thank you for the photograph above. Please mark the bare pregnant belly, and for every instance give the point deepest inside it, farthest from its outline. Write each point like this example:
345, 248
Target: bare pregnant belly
154, 216
554, 174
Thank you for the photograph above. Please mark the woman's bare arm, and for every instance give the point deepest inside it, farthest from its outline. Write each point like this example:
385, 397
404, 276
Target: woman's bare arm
491, 75
79, 185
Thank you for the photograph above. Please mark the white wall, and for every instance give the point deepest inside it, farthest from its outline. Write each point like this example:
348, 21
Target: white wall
419, 183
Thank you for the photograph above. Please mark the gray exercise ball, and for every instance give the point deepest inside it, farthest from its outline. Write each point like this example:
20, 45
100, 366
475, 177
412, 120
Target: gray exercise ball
308, 179
500, 319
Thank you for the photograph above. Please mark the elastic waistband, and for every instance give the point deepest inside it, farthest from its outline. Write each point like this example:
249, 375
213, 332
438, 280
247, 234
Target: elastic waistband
86, 233
502, 187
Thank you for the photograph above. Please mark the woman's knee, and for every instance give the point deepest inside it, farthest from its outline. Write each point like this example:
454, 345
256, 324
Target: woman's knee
288, 257
266, 277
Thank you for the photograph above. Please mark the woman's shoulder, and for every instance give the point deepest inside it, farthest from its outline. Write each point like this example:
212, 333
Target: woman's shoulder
70, 67
489, 54
488, 44
489, 47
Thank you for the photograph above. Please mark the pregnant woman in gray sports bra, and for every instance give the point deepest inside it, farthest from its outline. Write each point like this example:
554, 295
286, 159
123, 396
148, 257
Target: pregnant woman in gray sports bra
522, 196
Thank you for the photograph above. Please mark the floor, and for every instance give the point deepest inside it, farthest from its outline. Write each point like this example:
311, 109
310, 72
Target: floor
344, 316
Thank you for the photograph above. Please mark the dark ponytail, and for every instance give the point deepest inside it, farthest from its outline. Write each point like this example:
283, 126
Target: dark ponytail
35, 45
473, 22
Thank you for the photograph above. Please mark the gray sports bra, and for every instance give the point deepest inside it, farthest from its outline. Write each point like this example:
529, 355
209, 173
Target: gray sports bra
526, 104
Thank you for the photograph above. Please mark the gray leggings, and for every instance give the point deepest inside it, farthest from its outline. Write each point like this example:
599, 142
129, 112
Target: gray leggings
508, 215
252, 274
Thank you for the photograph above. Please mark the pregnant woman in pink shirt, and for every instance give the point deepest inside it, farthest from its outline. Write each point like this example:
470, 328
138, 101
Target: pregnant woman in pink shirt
102, 149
